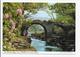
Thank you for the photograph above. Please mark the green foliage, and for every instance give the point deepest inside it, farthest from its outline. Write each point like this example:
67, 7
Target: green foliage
12, 23
64, 8
65, 12
65, 19
34, 7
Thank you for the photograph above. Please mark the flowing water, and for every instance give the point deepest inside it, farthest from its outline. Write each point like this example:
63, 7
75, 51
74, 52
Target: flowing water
40, 45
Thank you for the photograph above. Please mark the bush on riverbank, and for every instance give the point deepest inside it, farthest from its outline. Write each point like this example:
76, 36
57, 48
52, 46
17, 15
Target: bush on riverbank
12, 23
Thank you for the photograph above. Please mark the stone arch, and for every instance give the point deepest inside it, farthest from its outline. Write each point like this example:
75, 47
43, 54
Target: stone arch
38, 23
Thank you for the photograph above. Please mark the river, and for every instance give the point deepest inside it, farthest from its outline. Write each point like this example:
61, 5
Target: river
40, 45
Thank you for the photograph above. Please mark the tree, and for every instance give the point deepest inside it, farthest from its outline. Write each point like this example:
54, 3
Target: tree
12, 23
66, 9
65, 12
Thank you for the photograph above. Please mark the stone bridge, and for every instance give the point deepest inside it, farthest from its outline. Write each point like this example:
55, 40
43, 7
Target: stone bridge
48, 26
50, 36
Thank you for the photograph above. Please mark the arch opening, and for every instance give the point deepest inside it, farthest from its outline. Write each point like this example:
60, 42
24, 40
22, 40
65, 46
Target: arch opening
37, 31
